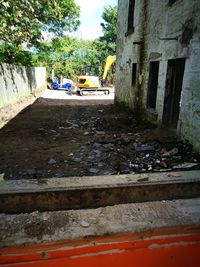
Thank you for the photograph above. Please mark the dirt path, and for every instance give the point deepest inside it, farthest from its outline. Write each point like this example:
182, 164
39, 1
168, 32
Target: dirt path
51, 140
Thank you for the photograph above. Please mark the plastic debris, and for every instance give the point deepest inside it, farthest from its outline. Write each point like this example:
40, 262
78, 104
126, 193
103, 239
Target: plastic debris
144, 148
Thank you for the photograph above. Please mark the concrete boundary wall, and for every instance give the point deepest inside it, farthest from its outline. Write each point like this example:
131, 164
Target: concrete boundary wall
18, 82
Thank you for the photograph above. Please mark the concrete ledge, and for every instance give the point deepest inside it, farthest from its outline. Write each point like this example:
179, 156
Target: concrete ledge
38, 227
92, 192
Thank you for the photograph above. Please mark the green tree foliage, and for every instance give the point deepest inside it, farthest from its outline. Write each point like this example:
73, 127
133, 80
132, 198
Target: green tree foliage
66, 55
24, 21
109, 29
28, 19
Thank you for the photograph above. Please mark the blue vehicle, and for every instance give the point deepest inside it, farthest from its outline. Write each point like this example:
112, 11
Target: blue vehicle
67, 86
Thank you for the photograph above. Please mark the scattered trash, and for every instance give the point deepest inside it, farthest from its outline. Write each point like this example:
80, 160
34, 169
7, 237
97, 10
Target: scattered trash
176, 157
102, 143
133, 166
149, 168
163, 164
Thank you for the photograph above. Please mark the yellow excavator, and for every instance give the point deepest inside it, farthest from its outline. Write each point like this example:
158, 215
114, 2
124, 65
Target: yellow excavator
90, 80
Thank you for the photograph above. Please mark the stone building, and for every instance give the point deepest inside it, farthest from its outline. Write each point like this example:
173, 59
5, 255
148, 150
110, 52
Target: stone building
158, 63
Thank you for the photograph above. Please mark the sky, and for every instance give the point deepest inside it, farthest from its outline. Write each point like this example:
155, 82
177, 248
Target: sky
91, 11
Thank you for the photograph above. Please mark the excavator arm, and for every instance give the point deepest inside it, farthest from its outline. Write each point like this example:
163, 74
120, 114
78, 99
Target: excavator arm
109, 61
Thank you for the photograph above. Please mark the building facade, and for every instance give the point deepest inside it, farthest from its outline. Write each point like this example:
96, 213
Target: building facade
158, 63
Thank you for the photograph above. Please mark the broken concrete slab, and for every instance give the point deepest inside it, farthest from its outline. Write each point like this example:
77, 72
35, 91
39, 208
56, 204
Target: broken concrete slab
97, 191
185, 165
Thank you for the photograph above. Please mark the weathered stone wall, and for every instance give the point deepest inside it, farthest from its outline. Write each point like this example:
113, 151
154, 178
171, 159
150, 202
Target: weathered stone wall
189, 118
163, 30
18, 82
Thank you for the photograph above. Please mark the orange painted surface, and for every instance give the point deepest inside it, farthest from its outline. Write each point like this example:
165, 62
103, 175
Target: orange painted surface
178, 247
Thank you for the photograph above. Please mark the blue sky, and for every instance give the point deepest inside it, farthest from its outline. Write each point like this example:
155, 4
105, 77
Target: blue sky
91, 11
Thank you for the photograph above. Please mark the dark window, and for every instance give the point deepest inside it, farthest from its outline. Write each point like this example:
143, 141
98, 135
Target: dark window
82, 80
171, 2
134, 70
152, 84
131, 15
173, 88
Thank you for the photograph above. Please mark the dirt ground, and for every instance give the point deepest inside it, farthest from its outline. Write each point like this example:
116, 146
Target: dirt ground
47, 140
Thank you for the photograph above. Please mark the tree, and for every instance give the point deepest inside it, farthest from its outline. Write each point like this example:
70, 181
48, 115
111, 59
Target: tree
25, 21
109, 28
66, 55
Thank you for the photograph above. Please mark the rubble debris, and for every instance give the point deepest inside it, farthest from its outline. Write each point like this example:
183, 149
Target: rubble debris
100, 132
94, 170
106, 143
145, 179
1, 176
72, 124
85, 224
172, 152
174, 174
52, 161
59, 174
32, 171
74, 159
144, 148
109, 145
185, 165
